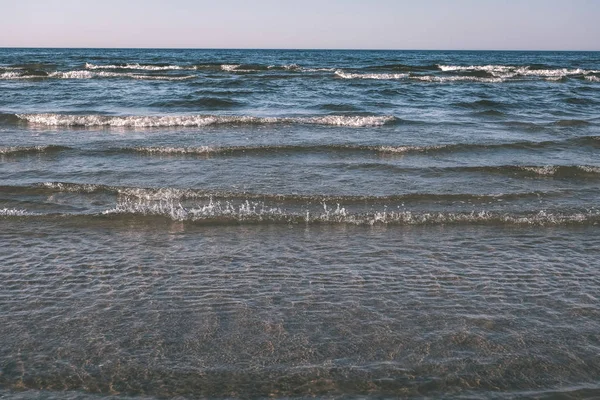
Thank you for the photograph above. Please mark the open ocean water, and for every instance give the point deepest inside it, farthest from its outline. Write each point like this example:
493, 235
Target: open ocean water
296, 224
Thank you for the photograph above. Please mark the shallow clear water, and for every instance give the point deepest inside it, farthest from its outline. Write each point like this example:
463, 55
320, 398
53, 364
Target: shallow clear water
221, 223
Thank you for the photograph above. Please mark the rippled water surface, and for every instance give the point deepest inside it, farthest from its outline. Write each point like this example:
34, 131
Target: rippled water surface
292, 224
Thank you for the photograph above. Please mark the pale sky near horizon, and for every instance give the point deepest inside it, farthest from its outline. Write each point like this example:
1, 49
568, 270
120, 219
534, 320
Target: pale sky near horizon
330, 24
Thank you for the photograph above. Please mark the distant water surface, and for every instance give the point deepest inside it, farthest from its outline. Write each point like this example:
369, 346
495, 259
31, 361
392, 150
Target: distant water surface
298, 224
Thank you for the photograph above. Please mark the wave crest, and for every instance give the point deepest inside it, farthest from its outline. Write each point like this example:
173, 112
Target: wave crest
231, 150
511, 71
31, 149
559, 170
105, 74
346, 75
260, 212
444, 79
85, 74
199, 120
14, 212
136, 66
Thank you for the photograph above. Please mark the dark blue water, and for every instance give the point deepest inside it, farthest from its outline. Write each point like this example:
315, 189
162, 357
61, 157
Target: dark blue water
292, 224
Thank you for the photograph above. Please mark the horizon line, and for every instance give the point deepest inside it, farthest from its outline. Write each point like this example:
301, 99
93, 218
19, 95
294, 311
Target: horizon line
287, 49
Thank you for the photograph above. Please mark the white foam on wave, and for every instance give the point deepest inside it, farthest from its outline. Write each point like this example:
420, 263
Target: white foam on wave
160, 194
344, 120
287, 67
593, 78
550, 170
549, 73
486, 68
346, 75
83, 74
444, 79
15, 75
105, 74
589, 169
20, 149
177, 150
223, 67
258, 211
291, 67
14, 212
198, 120
138, 66
230, 67
211, 210
207, 150
79, 75
72, 187
547, 170
407, 149
508, 71
319, 69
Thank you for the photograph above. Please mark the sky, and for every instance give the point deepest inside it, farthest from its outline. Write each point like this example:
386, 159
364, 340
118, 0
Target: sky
304, 24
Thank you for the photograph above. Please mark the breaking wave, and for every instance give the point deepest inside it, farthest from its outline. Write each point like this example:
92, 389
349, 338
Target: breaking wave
162, 194
254, 212
208, 66
508, 71
12, 150
380, 149
447, 73
444, 79
267, 149
84, 74
199, 120
104, 74
230, 67
213, 207
383, 150
179, 193
14, 212
257, 212
562, 171
136, 66
14, 75
423, 78
555, 171
346, 75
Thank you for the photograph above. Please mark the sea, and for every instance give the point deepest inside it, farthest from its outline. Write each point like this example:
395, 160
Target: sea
295, 224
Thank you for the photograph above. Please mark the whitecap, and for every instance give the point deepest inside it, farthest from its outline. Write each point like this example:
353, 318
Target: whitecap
15, 75
199, 120
20, 149
105, 74
259, 211
14, 212
230, 67
406, 149
176, 150
444, 79
346, 75
508, 71
137, 66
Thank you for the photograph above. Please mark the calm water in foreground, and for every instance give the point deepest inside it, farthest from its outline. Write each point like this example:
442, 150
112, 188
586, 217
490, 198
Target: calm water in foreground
296, 224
